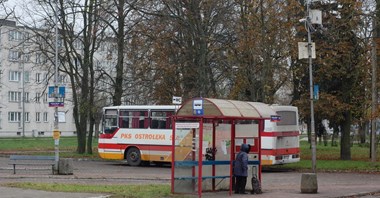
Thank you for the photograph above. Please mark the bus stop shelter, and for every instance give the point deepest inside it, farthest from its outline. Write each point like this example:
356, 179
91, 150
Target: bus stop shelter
207, 135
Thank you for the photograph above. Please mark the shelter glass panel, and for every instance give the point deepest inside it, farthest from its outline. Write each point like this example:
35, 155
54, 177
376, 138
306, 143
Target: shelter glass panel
216, 164
185, 158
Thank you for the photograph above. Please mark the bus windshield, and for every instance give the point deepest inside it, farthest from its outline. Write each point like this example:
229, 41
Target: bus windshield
110, 121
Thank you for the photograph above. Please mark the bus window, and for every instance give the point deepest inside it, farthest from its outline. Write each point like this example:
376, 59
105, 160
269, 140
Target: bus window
133, 119
124, 122
110, 123
287, 118
161, 119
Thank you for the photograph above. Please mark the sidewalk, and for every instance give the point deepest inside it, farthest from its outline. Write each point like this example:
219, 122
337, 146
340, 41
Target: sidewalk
274, 184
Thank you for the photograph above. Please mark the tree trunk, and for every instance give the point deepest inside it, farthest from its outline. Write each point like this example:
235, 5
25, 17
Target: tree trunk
90, 135
120, 54
345, 146
362, 130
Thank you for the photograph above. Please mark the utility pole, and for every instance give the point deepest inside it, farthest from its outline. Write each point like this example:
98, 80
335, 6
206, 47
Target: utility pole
312, 121
56, 129
374, 98
23, 83
374, 61
309, 183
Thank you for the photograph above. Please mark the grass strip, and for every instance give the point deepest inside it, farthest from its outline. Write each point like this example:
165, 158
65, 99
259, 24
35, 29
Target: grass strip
115, 191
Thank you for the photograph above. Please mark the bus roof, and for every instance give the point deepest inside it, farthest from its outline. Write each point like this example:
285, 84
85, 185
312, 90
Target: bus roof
143, 107
284, 107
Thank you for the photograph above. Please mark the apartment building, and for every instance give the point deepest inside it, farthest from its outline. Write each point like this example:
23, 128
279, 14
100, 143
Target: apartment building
25, 78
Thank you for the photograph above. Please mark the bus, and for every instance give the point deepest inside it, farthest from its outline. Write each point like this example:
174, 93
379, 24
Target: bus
143, 133
137, 133
280, 140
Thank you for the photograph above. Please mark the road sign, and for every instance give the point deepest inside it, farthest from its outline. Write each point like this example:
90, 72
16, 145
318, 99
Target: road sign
316, 92
275, 118
61, 92
56, 104
56, 134
177, 100
303, 51
198, 107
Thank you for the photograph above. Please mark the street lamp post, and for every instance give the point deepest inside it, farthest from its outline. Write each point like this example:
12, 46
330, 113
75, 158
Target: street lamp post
56, 129
309, 182
312, 122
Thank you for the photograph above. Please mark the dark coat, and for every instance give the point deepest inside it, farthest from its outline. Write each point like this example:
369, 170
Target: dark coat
241, 162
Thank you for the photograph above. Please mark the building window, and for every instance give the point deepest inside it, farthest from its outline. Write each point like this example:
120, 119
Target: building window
14, 96
45, 99
38, 77
46, 78
13, 55
78, 44
45, 116
38, 116
40, 59
14, 76
38, 97
26, 118
26, 96
26, 58
14, 116
26, 76
15, 35
62, 78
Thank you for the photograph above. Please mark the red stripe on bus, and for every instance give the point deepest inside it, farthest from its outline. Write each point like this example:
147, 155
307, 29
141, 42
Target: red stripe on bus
140, 146
280, 134
108, 146
108, 135
284, 151
149, 147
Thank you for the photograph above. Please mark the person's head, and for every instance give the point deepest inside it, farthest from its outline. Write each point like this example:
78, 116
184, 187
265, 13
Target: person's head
245, 147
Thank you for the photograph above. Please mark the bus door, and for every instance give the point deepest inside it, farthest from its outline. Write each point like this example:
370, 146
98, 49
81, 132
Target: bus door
108, 146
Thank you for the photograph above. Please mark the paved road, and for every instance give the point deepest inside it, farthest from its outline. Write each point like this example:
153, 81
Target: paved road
275, 184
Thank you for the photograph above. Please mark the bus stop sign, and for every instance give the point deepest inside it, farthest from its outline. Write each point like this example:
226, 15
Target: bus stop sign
198, 107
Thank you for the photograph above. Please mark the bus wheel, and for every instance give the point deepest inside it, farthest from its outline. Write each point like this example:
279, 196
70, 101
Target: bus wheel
133, 156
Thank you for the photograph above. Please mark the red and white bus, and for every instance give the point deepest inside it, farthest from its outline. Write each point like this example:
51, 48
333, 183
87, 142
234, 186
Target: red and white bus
280, 140
143, 133
137, 133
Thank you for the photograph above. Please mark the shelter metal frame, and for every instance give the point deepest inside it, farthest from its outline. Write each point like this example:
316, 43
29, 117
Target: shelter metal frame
215, 111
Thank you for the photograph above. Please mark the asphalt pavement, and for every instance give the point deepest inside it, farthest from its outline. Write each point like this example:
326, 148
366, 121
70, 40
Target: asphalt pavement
282, 184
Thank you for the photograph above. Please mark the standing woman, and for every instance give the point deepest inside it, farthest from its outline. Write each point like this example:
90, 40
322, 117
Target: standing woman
241, 169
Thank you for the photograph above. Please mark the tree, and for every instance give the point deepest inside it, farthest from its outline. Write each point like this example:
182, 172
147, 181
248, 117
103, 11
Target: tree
264, 35
79, 63
340, 69
120, 24
188, 40
79, 32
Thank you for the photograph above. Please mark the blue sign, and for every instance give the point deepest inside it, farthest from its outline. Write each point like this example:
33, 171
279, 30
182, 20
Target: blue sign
51, 92
198, 112
316, 92
275, 118
56, 104
61, 92
198, 107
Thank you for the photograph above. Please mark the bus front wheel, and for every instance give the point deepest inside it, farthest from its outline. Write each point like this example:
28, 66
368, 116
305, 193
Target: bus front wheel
133, 156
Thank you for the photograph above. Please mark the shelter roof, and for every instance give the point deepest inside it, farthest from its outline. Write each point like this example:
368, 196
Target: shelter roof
211, 107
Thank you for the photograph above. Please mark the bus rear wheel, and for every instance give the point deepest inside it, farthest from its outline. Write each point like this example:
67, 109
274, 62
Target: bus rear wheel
134, 157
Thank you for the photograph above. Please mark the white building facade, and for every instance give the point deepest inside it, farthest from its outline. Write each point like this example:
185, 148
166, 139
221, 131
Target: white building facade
24, 88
